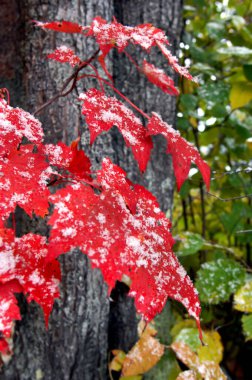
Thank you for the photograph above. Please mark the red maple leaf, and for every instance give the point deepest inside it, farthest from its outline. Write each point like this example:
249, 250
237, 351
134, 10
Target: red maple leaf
9, 309
64, 54
24, 260
61, 26
123, 242
23, 182
4, 347
102, 112
69, 158
159, 78
183, 153
113, 177
173, 61
15, 124
117, 35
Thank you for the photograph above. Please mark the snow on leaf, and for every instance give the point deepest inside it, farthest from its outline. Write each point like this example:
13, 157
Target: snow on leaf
61, 26
109, 35
243, 298
121, 242
187, 375
102, 112
22, 173
173, 61
64, 54
142, 356
69, 158
217, 280
117, 35
29, 268
9, 309
183, 153
38, 278
159, 78
71, 208
15, 124
113, 177
206, 369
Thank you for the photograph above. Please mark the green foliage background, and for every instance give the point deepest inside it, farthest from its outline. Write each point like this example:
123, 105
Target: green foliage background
214, 230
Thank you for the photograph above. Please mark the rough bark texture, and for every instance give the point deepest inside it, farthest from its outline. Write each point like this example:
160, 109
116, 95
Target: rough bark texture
83, 325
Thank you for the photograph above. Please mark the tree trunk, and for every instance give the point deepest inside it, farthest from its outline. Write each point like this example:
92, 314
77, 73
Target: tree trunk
83, 326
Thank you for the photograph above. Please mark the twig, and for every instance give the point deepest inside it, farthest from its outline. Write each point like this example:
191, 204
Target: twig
243, 232
72, 78
229, 199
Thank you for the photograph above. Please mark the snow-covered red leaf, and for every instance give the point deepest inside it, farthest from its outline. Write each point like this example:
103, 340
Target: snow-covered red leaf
15, 124
69, 230
61, 26
102, 112
121, 242
69, 158
24, 262
38, 278
183, 153
117, 35
113, 177
23, 182
147, 35
173, 61
159, 78
9, 310
64, 54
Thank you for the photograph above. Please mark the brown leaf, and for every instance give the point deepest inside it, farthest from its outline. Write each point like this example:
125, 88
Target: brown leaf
143, 356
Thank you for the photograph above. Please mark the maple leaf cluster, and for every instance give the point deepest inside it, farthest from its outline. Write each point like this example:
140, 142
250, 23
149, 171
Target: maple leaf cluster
119, 226
116, 223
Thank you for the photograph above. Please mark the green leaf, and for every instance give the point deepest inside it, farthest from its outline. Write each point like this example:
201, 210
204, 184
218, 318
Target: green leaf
166, 368
240, 94
240, 51
243, 298
211, 351
183, 123
214, 93
219, 110
238, 22
188, 101
247, 69
247, 326
216, 30
217, 280
189, 244
189, 336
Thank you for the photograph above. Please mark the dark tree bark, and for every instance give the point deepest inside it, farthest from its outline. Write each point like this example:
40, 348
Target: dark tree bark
83, 325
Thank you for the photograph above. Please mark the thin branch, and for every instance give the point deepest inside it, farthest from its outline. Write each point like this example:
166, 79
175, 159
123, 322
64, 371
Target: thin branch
243, 232
229, 199
72, 78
